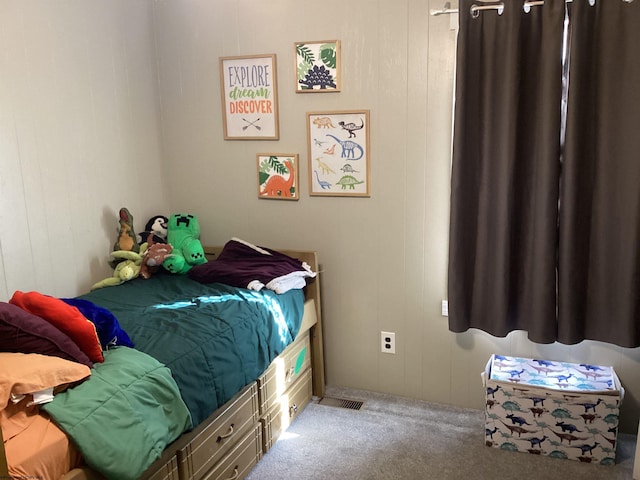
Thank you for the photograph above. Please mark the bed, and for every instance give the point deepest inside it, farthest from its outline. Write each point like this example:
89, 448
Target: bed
232, 388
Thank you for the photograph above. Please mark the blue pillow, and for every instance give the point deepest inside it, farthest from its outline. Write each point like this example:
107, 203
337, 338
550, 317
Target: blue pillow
109, 330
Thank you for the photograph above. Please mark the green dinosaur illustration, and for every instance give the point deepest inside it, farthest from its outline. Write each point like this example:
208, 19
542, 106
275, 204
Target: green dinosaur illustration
349, 181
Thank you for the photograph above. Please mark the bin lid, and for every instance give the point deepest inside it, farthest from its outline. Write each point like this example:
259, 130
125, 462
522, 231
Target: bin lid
561, 376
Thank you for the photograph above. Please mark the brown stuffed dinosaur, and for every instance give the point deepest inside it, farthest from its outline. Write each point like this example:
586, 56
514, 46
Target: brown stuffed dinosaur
153, 258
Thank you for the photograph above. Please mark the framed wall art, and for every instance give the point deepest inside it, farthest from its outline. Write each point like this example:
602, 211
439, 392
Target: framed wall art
338, 147
278, 176
317, 66
249, 91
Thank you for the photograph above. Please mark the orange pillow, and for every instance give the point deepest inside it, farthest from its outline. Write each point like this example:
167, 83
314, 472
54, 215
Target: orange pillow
24, 373
63, 316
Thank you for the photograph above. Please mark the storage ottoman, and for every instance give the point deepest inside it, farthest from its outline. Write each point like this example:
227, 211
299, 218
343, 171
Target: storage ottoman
558, 409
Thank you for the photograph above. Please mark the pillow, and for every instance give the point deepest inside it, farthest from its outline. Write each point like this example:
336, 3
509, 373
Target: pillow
23, 373
65, 318
21, 331
109, 331
20, 426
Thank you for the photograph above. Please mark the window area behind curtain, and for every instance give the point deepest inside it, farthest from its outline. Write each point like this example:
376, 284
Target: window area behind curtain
541, 239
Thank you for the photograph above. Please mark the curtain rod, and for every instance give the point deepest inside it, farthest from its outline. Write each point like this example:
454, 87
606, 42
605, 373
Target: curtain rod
476, 9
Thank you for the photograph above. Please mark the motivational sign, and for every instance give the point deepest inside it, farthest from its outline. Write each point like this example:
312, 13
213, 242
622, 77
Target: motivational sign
249, 97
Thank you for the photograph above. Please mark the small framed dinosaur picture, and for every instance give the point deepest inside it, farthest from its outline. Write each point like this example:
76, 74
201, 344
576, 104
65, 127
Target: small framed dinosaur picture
278, 176
317, 67
338, 153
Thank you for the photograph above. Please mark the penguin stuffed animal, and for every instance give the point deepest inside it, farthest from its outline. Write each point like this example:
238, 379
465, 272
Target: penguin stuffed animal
155, 231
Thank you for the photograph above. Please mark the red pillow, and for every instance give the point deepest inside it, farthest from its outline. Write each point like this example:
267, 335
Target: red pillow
65, 317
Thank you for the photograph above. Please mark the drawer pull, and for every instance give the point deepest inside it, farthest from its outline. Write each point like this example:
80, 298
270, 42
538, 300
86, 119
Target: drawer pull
288, 375
226, 435
236, 472
293, 409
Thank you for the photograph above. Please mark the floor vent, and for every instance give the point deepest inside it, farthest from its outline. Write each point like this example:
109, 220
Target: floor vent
341, 403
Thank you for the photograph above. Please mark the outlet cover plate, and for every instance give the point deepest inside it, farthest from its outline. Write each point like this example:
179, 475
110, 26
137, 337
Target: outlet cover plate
388, 342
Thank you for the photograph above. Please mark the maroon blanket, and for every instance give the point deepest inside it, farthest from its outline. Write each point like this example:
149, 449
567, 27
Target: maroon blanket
241, 264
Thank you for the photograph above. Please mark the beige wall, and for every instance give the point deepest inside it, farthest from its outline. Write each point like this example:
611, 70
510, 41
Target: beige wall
79, 137
84, 110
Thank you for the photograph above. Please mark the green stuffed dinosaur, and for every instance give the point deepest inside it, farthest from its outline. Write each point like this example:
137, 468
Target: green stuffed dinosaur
128, 268
183, 234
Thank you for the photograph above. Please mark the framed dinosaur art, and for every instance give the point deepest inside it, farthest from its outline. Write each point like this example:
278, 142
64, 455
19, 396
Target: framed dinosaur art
317, 67
338, 153
278, 176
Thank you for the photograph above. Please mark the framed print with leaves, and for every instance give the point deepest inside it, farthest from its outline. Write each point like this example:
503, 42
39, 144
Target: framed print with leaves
278, 176
249, 91
338, 146
317, 66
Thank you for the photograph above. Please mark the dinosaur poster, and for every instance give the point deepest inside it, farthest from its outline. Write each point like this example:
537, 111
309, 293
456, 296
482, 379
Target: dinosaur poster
249, 97
338, 147
278, 176
317, 66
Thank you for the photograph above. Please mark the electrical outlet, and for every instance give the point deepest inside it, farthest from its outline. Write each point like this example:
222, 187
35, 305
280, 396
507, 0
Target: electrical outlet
445, 308
388, 342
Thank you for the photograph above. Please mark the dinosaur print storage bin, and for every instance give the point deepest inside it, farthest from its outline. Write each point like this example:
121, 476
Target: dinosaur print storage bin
558, 409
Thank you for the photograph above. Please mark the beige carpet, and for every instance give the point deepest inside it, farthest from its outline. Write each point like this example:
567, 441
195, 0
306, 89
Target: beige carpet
397, 438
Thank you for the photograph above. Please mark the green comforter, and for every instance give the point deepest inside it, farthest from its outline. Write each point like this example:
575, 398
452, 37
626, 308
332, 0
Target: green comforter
214, 338
124, 415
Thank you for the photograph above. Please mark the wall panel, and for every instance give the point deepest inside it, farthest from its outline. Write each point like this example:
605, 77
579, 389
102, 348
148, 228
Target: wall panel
79, 138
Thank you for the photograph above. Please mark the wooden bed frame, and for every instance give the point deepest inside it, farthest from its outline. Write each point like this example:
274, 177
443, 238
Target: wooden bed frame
262, 413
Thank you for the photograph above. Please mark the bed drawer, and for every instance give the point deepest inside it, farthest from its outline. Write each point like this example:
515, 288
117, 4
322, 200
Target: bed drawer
169, 471
286, 409
284, 371
241, 459
239, 416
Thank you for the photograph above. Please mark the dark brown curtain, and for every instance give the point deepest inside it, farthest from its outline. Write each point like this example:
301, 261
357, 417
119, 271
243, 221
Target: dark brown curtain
599, 255
505, 171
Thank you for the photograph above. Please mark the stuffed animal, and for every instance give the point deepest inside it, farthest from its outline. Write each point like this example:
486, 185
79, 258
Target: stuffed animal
153, 258
126, 234
183, 233
127, 240
127, 269
155, 231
